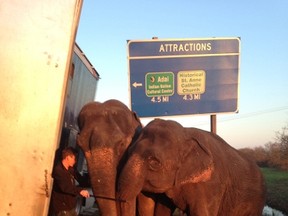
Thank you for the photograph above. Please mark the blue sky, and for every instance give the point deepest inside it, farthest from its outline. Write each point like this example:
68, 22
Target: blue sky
106, 26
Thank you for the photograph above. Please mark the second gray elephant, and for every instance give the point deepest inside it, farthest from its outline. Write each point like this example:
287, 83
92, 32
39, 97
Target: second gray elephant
197, 170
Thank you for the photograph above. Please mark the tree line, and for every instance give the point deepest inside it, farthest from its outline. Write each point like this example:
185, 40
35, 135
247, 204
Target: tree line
272, 154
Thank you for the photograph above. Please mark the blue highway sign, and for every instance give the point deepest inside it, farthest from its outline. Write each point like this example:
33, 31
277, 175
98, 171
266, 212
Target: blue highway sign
184, 76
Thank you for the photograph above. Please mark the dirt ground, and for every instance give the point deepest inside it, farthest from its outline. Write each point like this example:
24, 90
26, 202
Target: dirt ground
90, 212
94, 212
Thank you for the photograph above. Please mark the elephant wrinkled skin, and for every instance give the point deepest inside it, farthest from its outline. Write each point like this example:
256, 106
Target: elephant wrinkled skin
106, 131
196, 169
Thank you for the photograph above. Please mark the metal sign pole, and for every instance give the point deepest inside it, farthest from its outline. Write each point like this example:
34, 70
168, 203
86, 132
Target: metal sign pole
213, 123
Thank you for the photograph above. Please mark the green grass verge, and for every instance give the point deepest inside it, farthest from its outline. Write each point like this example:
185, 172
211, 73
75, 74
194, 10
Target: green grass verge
277, 188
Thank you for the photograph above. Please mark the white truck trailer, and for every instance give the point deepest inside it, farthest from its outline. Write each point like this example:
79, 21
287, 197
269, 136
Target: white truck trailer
37, 42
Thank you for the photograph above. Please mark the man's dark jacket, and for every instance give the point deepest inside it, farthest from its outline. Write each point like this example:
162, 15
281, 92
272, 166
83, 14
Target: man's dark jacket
64, 194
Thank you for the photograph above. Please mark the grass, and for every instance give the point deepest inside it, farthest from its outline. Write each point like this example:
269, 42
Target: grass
277, 188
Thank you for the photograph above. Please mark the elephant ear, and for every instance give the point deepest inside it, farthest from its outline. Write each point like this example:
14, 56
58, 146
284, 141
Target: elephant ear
136, 119
196, 160
128, 122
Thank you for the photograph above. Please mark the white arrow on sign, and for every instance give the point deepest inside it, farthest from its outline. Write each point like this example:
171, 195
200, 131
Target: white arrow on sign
135, 84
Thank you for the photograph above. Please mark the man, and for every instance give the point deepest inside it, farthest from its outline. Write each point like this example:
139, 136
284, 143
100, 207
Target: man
65, 192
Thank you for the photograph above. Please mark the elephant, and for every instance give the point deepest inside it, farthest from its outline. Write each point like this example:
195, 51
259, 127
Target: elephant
106, 131
196, 169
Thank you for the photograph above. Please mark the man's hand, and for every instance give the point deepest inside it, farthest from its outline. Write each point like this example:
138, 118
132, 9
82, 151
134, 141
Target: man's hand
84, 193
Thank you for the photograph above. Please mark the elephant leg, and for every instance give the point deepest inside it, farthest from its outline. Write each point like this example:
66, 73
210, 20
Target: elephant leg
151, 204
162, 210
145, 205
164, 206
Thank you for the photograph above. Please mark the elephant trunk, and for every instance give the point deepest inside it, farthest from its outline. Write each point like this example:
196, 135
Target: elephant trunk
130, 184
102, 171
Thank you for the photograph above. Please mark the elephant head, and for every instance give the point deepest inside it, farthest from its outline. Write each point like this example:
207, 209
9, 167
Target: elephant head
106, 131
196, 169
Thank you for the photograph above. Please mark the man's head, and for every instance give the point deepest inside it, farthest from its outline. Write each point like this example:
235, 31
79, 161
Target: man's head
69, 157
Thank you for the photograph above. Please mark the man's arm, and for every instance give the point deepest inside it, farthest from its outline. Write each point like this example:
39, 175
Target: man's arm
83, 180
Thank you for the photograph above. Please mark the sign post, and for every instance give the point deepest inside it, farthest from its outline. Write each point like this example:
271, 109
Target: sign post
184, 76
213, 124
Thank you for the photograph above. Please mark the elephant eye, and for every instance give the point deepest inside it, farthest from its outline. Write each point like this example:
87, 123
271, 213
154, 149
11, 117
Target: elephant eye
153, 163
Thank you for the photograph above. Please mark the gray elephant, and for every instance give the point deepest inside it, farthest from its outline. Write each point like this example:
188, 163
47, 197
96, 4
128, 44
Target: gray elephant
197, 170
106, 131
